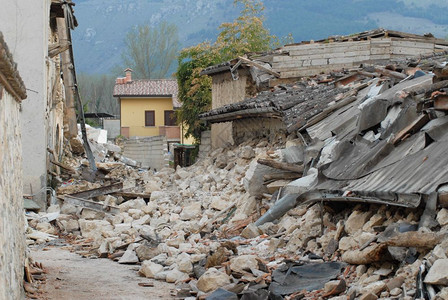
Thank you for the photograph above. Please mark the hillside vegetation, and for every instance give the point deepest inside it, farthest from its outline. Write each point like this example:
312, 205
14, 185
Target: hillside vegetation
103, 24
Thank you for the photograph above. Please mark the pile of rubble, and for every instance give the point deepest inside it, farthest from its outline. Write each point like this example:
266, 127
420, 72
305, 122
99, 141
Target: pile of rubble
291, 216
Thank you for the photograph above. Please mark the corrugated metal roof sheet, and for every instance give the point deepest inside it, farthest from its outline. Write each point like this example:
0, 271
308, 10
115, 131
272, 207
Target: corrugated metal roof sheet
422, 172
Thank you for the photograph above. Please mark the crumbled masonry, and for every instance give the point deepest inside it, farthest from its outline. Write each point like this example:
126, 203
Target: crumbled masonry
341, 207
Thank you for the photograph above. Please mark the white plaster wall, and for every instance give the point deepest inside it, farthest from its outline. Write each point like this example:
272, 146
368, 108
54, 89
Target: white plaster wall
25, 26
12, 241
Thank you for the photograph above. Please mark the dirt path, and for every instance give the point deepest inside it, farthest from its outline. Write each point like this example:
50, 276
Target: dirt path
72, 277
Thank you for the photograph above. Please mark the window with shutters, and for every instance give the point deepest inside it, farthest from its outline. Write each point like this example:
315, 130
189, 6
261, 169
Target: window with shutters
170, 118
150, 118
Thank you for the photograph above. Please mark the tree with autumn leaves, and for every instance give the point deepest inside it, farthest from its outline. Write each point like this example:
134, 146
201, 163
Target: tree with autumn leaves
245, 34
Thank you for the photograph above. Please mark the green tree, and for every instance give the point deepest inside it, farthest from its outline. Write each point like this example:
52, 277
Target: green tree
151, 51
245, 34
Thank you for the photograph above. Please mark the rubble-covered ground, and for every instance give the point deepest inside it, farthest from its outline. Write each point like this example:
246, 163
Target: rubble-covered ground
195, 227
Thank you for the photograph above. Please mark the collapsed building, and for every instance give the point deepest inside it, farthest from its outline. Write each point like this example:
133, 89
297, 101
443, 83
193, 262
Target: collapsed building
241, 78
330, 185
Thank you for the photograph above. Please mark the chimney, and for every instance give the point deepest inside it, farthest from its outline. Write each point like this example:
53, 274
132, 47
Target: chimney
128, 72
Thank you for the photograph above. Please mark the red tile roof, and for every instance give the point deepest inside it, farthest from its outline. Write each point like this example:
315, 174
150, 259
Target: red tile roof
148, 87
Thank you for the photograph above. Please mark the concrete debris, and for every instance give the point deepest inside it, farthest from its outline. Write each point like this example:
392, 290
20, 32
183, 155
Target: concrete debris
438, 274
150, 269
267, 215
129, 257
212, 279
244, 263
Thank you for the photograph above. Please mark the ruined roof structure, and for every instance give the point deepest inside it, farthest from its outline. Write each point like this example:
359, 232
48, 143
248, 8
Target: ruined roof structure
380, 127
13, 82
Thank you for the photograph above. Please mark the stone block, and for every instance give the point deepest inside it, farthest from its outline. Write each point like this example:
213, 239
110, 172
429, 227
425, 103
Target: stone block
212, 279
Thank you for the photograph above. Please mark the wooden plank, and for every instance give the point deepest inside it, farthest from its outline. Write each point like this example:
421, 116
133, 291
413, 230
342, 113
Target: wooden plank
411, 128
69, 104
407, 36
390, 73
132, 195
283, 175
57, 48
368, 74
104, 190
417, 239
441, 102
258, 66
29, 276
101, 207
417, 90
281, 165
276, 185
68, 169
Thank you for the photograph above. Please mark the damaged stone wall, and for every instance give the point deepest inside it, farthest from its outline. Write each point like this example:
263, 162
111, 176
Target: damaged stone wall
225, 90
25, 26
151, 152
249, 128
55, 106
329, 56
12, 243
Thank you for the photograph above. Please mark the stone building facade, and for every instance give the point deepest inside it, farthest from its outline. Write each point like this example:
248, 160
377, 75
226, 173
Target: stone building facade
12, 242
38, 39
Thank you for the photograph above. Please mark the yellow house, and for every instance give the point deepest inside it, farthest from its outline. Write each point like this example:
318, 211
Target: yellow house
147, 107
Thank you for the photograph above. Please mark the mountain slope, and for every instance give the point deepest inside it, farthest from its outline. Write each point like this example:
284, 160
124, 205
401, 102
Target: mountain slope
98, 41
